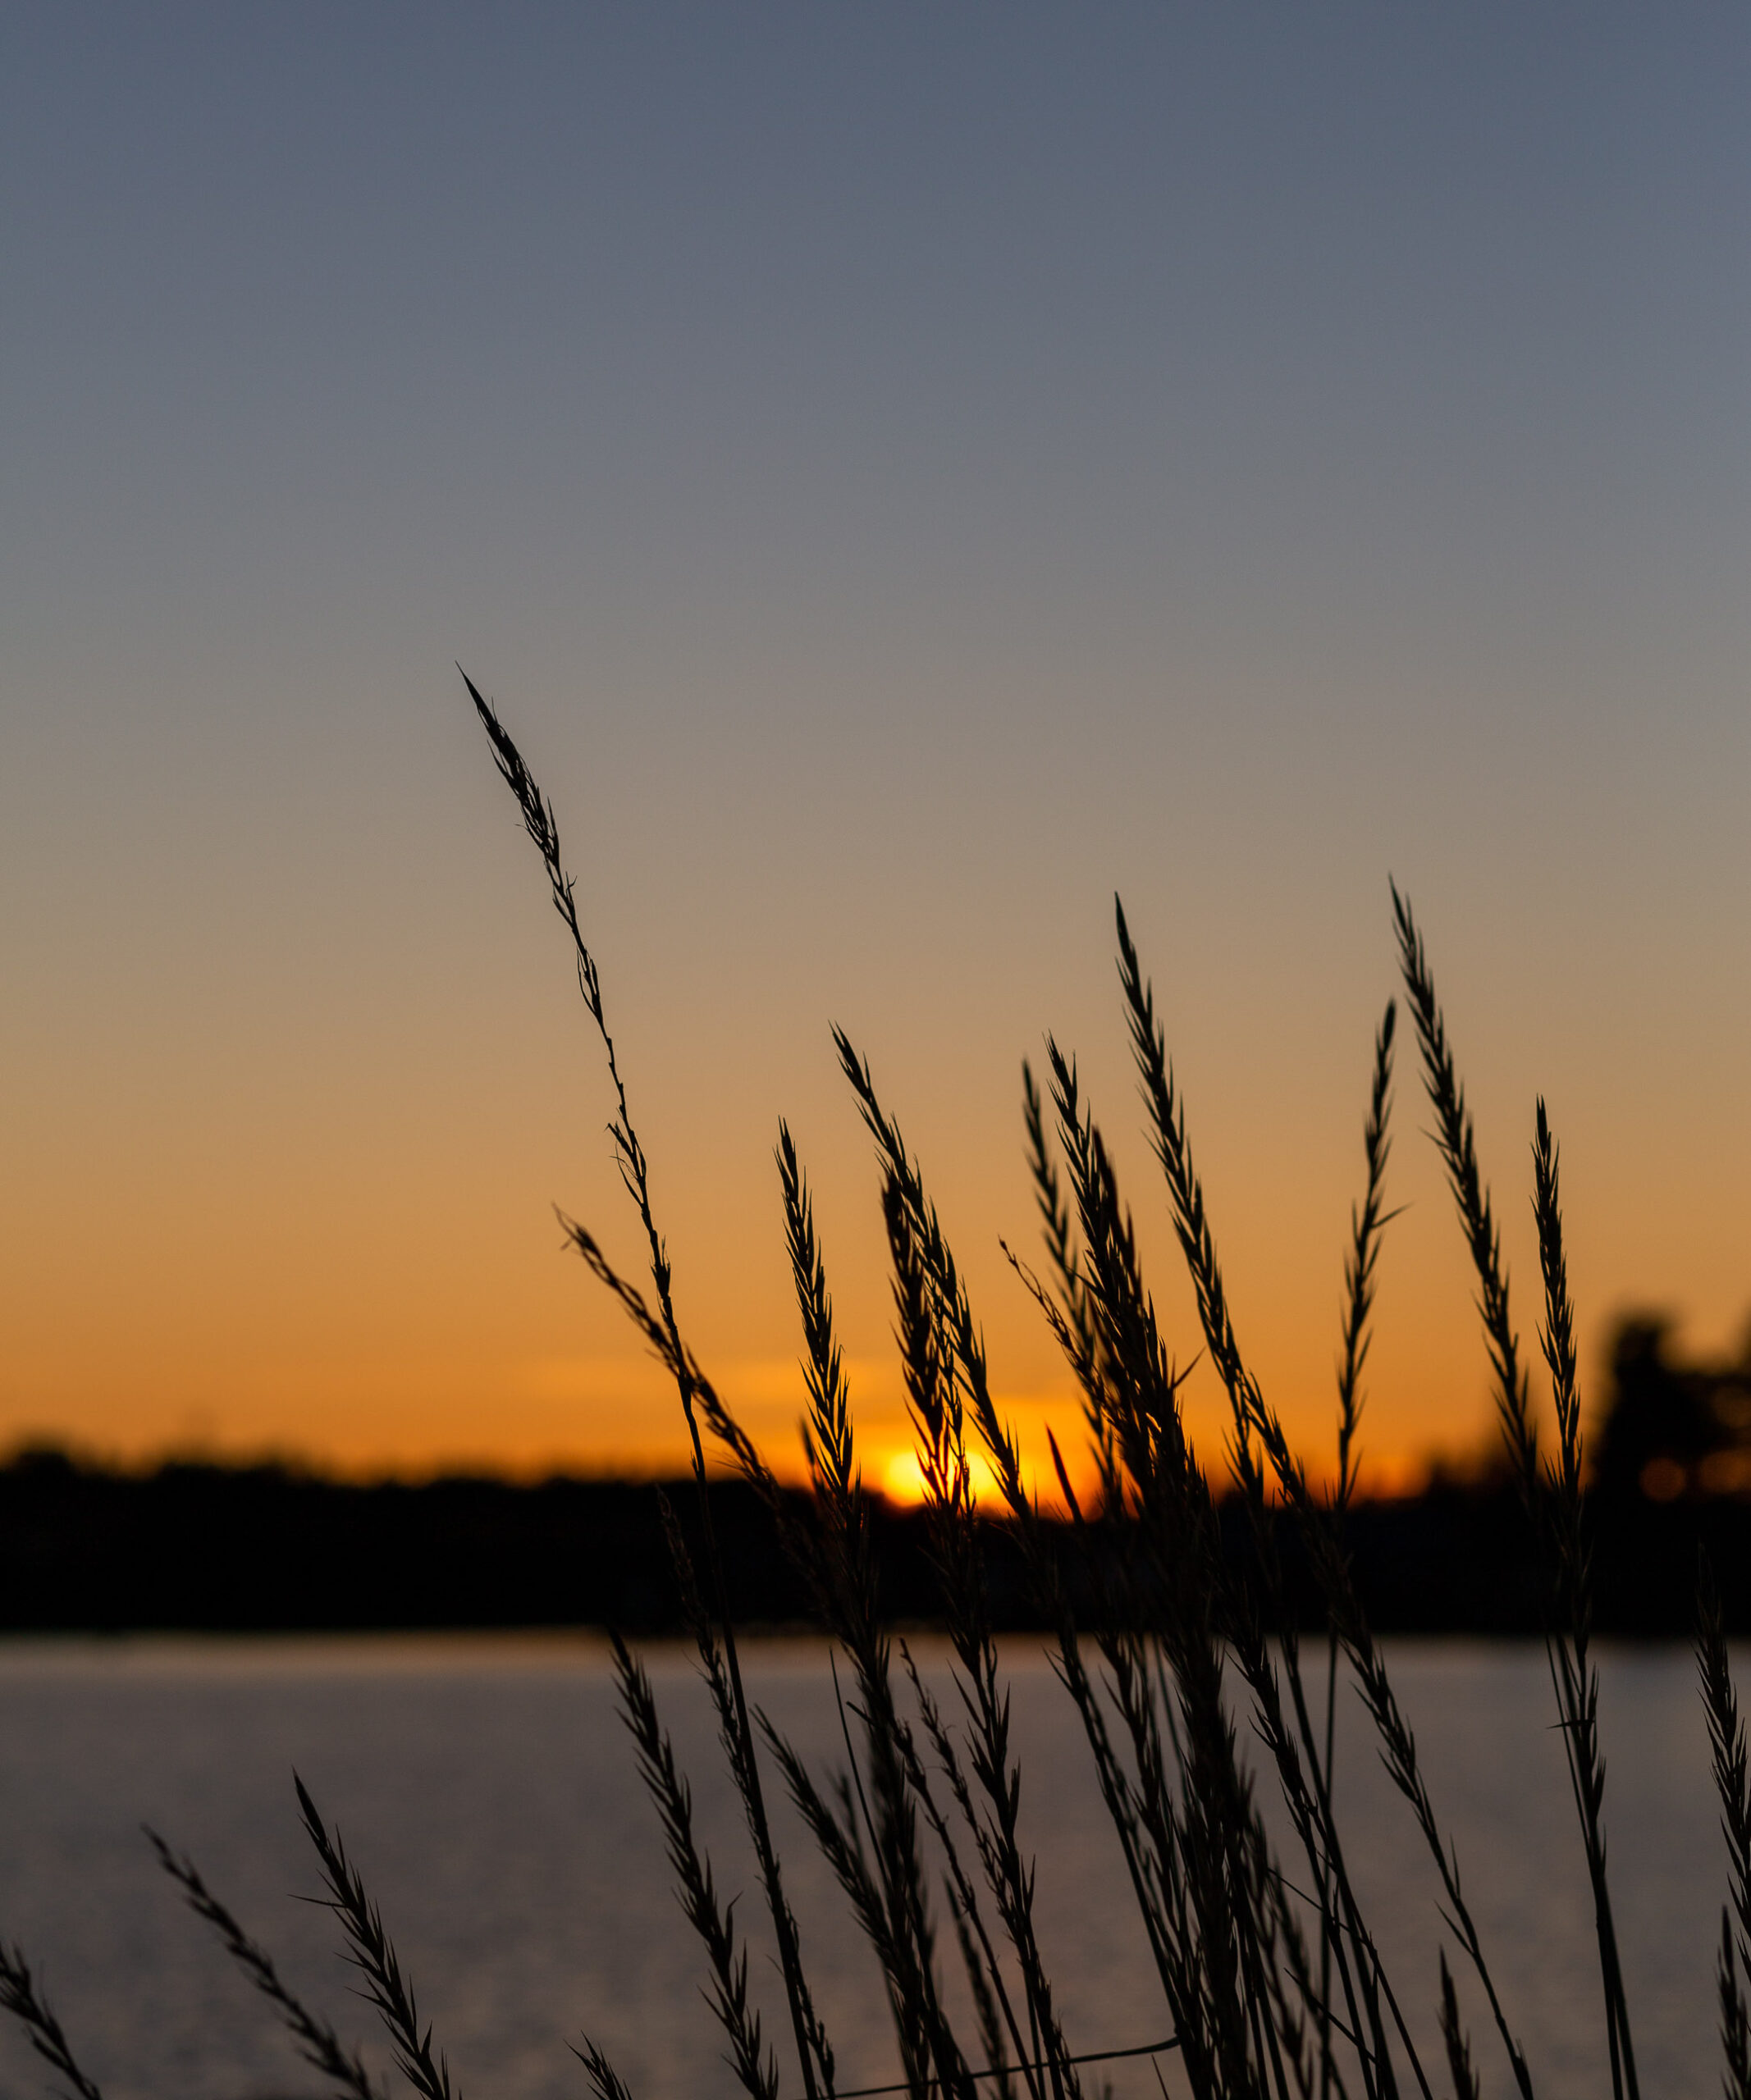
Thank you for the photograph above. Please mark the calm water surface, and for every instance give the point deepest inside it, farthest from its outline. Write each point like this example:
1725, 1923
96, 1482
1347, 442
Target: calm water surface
489, 1795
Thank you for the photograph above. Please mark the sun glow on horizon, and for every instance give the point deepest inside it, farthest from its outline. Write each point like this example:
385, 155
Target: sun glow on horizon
902, 1479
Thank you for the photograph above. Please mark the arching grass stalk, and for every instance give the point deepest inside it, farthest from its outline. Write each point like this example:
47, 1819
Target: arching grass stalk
1551, 1492
539, 822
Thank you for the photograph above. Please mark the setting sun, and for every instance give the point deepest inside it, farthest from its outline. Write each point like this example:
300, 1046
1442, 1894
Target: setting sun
902, 1479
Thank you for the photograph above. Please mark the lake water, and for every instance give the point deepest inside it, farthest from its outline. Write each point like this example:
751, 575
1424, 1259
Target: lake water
488, 1793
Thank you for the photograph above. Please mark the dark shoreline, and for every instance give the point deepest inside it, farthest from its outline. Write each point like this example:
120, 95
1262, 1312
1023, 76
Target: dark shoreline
195, 1547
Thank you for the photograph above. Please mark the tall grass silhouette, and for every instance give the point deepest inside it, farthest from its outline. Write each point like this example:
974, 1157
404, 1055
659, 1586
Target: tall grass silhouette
1168, 1642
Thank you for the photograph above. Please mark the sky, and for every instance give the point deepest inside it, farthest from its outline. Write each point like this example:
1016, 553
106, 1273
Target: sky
907, 474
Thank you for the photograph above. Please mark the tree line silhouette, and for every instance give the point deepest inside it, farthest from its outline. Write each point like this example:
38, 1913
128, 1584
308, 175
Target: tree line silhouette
199, 1545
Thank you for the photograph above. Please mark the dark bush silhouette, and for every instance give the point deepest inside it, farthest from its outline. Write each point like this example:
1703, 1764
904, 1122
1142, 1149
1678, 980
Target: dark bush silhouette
1671, 1428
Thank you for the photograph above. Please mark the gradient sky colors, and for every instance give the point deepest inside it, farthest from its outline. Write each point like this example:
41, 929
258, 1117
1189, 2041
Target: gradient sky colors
905, 472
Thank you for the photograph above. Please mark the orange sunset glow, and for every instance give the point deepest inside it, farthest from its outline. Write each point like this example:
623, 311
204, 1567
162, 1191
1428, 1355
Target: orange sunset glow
369, 1277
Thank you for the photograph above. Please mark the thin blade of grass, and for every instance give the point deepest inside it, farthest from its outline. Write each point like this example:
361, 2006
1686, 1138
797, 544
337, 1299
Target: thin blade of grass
1735, 2029
1729, 1760
754, 2064
317, 2044
1367, 1224
373, 1953
605, 2082
1566, 1529
20, 1995
1458, 2044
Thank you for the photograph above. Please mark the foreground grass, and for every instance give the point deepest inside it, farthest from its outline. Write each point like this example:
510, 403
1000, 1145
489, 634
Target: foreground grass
1271, 1981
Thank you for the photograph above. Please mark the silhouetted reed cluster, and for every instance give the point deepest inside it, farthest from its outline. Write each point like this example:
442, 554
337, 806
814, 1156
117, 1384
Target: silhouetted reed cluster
1168, 1643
